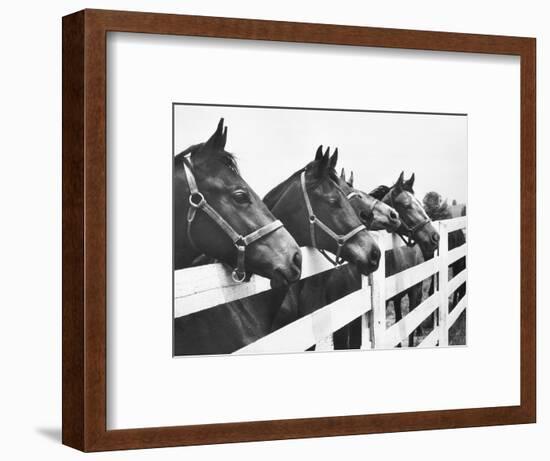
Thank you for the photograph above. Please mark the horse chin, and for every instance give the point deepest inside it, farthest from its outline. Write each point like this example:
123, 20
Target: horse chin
277, 278
393, 226
366, 268
376, 226
427, 253
365, 263
381, 225
279, 281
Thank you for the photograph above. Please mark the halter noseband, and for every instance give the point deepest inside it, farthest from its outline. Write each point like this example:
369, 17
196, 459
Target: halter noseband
370, 216
314, 221
198, 202
409, 237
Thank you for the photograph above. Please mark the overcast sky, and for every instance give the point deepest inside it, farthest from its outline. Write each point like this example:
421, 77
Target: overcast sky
270, 144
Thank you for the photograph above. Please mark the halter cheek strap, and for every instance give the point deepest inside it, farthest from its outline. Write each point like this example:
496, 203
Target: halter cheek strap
198, 202
358, 195
409, 237
314, 221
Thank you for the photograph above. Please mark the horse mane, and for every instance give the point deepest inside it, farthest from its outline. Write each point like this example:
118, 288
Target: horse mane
380, 192
274, 194
226, 157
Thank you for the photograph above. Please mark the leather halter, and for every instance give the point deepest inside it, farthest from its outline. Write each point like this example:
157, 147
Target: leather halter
408, 237
314, 221
198, 202
370, 216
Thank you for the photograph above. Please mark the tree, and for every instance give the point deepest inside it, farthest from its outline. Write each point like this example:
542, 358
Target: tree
435, 207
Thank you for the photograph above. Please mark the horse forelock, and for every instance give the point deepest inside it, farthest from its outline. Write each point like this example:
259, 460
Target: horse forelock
414, 200
227, 158
230, 161
275, 194
381, 191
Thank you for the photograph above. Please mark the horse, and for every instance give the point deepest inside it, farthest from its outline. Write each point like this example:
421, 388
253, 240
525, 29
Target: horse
216, 213
419, 234
233, 325
375, 215
324, 219
333, 214
322, 289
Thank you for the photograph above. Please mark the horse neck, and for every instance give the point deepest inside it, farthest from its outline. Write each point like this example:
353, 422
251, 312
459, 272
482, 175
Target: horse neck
289, 207
402, 258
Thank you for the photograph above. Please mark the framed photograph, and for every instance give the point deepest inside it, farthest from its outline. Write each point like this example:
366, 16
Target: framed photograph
278, 230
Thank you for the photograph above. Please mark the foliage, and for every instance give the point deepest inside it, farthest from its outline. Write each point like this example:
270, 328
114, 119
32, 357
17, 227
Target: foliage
435, 207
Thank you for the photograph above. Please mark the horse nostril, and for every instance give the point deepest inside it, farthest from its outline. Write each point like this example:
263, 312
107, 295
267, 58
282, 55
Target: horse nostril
374, 256
393, 215
297, 259
435, 237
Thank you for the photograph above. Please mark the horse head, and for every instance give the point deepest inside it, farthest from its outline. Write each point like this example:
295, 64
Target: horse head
218, 214
373, 213
416, 226
315, 210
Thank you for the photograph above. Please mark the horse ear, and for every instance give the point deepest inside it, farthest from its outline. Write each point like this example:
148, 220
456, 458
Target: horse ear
321, 165
409, 183
334, 159
343, 175
319, 153
350, 180
224, 138
399, 183
326, 159
218, 138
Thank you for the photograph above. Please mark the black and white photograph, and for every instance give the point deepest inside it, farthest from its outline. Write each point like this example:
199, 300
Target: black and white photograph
300, 229
250, 230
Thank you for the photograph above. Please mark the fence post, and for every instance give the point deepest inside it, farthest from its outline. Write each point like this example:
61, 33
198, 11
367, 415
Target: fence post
377, 314
325, 344
366, 322
443, 278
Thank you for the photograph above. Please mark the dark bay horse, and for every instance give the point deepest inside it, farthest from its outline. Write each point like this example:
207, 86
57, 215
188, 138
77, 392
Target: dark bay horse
233, 325
329, 190
376, 215
315, 210
373, 213
416, 230
216, 213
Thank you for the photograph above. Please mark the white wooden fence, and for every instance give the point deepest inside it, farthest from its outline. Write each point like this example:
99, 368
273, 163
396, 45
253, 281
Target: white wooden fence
204, 287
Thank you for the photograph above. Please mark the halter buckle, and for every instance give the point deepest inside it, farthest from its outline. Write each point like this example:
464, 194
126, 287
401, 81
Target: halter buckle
201, 199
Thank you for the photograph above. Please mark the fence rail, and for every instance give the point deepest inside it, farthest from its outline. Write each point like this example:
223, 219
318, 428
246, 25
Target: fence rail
205, 287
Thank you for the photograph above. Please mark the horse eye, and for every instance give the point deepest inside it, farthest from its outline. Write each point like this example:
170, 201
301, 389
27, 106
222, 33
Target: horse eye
241, 196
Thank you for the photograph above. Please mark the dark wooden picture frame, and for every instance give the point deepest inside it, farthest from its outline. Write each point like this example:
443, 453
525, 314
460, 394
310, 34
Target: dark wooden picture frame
85, 223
